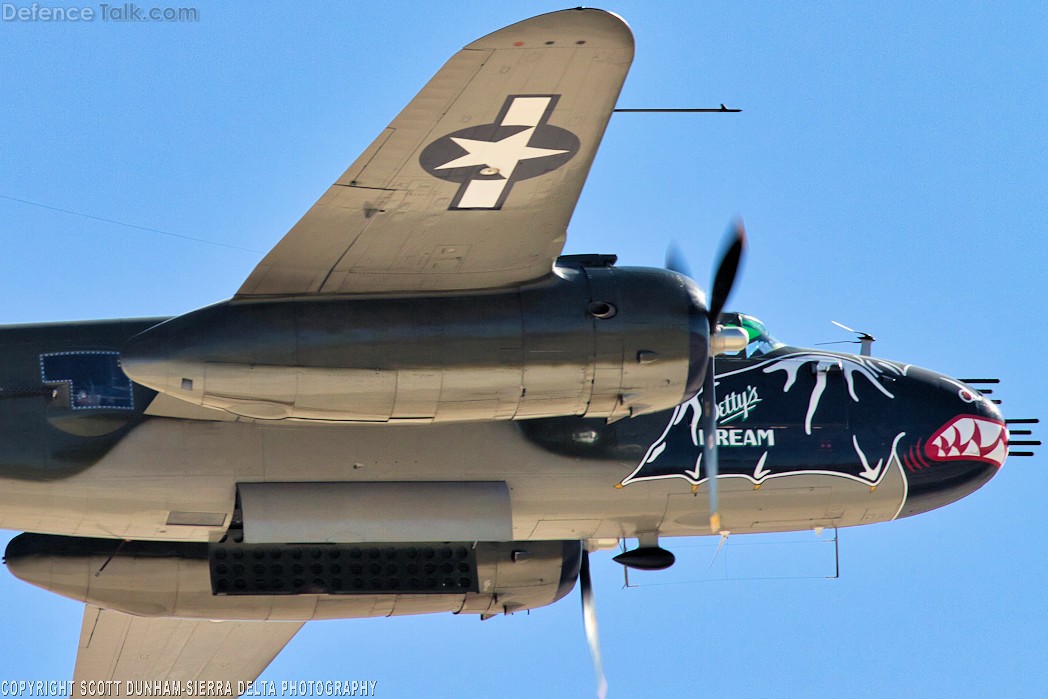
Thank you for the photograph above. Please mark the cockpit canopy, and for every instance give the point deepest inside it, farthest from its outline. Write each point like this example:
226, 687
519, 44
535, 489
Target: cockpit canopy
761, 341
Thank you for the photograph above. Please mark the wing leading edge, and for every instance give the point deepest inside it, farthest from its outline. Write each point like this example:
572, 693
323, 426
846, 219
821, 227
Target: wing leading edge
119, 647
473, 183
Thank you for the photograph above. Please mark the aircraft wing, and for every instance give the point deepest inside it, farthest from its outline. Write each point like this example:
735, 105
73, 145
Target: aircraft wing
473, 183
121, 647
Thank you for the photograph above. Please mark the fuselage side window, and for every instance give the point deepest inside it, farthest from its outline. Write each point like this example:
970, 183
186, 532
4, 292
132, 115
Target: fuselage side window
95, 379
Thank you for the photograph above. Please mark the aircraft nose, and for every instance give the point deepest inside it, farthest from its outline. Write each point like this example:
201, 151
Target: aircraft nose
979, 435
962, 442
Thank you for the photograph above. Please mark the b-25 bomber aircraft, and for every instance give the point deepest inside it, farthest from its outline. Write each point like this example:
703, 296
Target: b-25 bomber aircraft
416, 404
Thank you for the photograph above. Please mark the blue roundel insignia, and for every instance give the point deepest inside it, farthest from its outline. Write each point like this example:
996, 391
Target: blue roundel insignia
486, 160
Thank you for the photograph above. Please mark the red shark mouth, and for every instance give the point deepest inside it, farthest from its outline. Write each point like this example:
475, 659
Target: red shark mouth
969, 438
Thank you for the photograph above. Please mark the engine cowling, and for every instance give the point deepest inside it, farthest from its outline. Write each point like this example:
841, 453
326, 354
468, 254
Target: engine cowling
590, 341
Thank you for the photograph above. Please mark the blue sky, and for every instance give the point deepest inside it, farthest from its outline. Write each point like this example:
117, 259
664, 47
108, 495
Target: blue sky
890, 167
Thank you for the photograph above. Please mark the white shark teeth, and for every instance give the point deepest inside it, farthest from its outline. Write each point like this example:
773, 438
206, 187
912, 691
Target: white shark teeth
990, 437
999, 453
970, 437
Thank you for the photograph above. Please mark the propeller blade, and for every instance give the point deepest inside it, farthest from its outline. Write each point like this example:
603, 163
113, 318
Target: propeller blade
723, 280
724, 277
709, 443
589, 622
676, 261
842, 325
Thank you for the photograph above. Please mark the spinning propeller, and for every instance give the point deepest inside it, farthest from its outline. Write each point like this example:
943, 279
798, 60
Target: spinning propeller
650, 556
589, 622
720, 341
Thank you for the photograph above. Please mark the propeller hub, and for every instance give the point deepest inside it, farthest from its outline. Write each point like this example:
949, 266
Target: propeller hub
729, 340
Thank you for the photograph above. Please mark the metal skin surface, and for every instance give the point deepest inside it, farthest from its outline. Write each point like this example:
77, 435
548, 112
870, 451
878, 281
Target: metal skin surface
864, 460
157, 579
44, 438
413, 373
413, 215
418, 291
599, 342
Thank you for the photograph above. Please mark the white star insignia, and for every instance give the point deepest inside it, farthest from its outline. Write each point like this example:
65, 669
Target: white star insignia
502, 156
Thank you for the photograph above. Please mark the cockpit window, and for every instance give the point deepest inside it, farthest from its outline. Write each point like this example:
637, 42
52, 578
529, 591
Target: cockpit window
95, 379
761, 341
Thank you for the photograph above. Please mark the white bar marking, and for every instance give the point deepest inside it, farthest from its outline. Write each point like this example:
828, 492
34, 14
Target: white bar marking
482, 194
526, 111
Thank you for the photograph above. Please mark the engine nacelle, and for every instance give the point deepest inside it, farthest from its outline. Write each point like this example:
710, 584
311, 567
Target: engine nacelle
594, 341
288, 582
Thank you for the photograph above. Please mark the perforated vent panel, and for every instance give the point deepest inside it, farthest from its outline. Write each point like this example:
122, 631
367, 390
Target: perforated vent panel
291, 569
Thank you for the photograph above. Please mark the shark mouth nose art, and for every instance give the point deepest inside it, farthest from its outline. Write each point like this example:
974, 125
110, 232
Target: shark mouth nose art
969, 438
